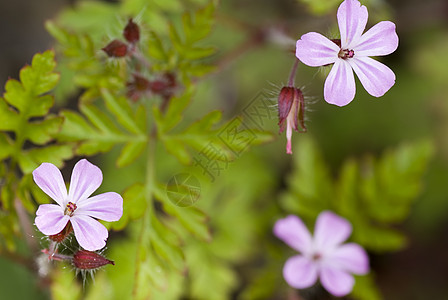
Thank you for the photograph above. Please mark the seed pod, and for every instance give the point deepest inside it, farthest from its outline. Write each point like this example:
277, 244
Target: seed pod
88, 260
131, 32
116, 48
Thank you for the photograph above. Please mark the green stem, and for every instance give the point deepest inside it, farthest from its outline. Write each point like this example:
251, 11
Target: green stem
149, 191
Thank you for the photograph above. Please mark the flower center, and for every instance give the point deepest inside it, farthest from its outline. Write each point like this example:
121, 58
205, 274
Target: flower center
316, 256
70, 209
346, 53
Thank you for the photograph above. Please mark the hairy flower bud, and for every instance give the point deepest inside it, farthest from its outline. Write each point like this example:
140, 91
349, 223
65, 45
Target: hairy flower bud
291, 106
88, 260
116, 48
131, 32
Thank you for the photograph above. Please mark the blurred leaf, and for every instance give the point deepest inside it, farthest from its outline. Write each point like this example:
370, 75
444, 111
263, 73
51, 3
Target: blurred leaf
184, 50
310, 184
374, 194
365, 288
165, 244
193, 219
134, 206
321, 7
63, 286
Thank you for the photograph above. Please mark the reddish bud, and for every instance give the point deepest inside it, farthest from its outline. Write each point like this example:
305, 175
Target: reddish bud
59, 237
137, 86
131, 32
291, 106
88, 260
116, 48
164, 86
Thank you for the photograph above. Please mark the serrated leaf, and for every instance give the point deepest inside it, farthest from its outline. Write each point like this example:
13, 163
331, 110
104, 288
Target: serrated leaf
36, 80
25, 100
99, 133
55, 154
43, 132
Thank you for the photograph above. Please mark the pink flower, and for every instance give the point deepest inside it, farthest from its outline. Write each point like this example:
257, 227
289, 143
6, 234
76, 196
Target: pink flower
351, 52
76, 206
323, 255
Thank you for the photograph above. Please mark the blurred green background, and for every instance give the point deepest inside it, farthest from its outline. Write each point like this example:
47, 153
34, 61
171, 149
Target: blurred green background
250, 62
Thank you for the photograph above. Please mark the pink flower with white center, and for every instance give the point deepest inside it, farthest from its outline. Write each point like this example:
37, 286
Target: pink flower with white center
76, 207
351, 52
322, 256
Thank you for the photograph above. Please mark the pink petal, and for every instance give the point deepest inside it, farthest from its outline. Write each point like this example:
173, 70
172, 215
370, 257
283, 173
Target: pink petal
375, 77
299, 272
86, 178
90, 234
50, 219
313, 49
48, 177
350, 257
340, 88
294, 233
381, 39
107, 207
330, 231
336, 282
352, 20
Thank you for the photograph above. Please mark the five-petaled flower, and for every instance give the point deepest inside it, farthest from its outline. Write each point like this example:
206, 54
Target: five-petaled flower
323, 255
351, 53
76, 207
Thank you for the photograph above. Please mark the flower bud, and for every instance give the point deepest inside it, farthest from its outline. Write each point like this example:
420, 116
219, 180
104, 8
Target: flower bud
131, 32
291, 106
137, 87
88, 260
116, 48
59, 237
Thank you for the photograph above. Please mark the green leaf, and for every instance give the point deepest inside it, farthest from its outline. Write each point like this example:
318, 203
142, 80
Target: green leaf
130, 152
55, 154
374, 194
120, 108
100, 130
365, 288
192, 218
26, 99
166, 248
315, 190
63, 287
6, 146
134, 206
